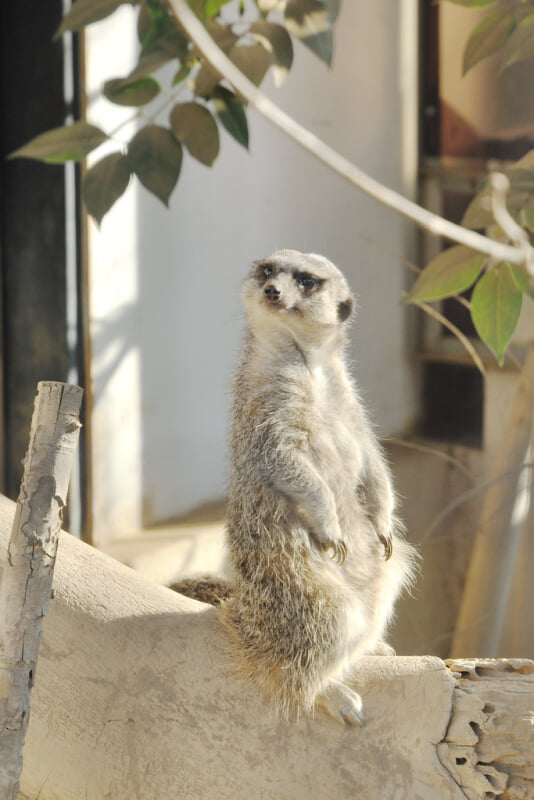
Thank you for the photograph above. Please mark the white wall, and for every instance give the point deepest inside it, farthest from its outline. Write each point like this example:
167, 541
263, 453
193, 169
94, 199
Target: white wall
166, 414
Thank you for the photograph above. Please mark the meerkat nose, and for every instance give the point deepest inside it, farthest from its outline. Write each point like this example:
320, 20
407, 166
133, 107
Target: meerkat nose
272, 293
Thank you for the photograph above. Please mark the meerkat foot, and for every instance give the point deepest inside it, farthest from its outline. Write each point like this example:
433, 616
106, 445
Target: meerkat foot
343, 704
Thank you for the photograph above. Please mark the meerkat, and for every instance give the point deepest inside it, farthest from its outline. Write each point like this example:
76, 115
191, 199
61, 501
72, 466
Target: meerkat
316, 553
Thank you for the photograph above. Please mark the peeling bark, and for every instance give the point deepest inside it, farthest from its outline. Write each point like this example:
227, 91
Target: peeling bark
27, 578
489, 745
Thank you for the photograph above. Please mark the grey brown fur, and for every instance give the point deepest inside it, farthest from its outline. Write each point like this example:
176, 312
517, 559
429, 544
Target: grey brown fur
314, 549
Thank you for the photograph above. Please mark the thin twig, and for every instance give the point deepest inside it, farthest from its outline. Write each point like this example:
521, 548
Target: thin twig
456, 331
170, 98
423, 448
468, 495
384, 195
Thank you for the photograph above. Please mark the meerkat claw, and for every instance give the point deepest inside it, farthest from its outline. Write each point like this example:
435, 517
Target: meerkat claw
343, 704
352, 716
339, 551
387, 544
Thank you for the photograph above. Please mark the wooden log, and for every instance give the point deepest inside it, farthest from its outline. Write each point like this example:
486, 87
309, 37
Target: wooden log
27, 577
489, 744
489, 577
135, 698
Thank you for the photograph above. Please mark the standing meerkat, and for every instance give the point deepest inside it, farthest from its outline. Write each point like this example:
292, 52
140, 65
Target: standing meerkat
315, 555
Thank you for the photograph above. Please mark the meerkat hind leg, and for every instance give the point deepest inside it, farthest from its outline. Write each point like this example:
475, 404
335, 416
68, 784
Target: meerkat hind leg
342, 703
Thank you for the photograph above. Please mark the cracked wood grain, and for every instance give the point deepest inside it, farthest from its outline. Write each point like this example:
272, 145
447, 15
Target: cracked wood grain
27, 578
489, 745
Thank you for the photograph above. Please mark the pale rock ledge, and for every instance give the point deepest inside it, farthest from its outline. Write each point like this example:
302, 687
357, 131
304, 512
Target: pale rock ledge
135, 700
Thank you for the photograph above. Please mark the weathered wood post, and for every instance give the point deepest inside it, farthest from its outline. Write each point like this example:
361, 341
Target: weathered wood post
27, 579
489, 577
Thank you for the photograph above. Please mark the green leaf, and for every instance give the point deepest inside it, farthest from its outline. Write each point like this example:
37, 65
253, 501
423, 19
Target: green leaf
127, 92
212, 7
252, 60
181, 75
166, 36
521, 179
523, 279
477, 215
311, 21
277, 42
222, 35
495, 308
68, 143
161, 41
149, 63
145, 22
84, 12
524, 163
231, 114
520, 45
194, 126
322, 44
488, 36
450, 273
104, 183
206, 81
156, 157
207, 77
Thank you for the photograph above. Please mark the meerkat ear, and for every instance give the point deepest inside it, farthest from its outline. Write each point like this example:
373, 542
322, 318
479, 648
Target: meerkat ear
344, 309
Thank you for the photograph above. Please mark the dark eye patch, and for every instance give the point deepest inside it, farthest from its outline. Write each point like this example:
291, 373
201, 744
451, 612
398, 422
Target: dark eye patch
307, 281
263, 271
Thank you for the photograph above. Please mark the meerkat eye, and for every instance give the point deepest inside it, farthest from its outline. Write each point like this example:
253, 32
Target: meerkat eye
305, 281
267, 271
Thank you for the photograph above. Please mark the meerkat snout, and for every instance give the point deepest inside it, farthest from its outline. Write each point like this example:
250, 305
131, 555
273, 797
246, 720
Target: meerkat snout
272, 293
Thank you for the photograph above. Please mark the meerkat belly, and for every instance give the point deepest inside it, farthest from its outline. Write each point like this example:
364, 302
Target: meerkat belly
337, 458
333, 442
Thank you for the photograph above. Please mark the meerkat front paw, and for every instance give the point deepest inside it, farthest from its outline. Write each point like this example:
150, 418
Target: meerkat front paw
339, 550
383, 528
343, 704
337, 547
330, 539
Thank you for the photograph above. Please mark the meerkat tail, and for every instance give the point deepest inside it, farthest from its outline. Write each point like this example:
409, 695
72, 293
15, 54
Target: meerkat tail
208, 589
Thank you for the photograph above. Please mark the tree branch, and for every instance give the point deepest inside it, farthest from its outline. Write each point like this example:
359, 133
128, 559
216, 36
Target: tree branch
388, 197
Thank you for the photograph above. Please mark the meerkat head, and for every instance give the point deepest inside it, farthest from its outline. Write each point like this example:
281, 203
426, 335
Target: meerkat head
303, 292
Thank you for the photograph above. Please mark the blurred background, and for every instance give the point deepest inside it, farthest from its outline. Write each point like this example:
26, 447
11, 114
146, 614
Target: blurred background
144, 311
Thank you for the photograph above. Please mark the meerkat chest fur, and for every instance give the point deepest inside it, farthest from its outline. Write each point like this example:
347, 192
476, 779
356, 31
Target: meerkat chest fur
333, 423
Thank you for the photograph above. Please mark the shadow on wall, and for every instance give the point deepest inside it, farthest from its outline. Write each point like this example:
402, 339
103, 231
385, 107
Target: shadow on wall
113, 338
